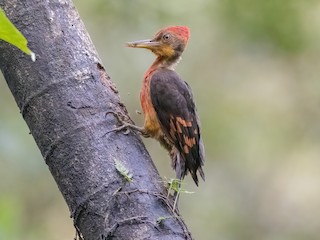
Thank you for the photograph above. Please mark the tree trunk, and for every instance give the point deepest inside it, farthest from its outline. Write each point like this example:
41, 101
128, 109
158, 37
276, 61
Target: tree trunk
64, 97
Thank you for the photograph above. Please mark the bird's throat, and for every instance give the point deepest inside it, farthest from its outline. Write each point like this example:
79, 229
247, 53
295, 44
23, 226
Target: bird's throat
163, 62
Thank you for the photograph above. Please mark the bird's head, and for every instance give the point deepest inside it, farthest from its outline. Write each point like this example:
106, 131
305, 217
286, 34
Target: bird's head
168, 43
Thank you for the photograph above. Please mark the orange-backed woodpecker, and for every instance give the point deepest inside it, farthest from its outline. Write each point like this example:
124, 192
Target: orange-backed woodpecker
168, 105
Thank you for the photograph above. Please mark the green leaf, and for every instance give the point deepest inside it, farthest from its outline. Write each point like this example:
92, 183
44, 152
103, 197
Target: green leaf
10, 34
123, 170
161, 219
174, 184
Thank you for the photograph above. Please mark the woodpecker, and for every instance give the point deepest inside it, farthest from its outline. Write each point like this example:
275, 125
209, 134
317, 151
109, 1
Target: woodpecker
170, 114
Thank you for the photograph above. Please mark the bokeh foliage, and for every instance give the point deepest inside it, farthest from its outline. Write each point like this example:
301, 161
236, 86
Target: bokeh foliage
278, 23
253, 67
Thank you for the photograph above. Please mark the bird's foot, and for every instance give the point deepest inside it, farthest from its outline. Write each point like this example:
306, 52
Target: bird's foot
125, 125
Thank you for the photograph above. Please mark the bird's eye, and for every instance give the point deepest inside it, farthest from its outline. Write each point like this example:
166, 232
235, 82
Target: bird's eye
166, 36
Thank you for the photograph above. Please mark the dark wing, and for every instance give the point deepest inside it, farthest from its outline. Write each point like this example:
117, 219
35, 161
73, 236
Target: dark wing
173, 102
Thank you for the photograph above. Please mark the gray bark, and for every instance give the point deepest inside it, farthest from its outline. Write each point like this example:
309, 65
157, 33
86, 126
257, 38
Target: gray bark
63, 97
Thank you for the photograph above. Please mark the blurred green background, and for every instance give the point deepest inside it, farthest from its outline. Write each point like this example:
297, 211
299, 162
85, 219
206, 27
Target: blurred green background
253, 66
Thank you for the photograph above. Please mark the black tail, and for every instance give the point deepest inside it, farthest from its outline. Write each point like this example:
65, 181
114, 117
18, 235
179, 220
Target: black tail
184, 163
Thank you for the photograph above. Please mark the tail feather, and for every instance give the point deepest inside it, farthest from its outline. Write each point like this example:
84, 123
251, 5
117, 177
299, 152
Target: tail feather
178, 164
182, 164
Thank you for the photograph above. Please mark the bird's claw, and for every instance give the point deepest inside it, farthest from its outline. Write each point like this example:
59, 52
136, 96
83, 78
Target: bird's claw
117, 129
116, 115
124, 125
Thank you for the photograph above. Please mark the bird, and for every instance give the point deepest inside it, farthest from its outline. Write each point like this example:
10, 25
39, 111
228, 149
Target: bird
170, 114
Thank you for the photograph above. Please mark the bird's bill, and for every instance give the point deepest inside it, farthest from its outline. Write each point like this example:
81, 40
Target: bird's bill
149, 44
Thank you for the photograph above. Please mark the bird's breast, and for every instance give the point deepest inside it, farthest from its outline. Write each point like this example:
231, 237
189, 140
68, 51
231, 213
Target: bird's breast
151, 122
